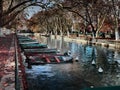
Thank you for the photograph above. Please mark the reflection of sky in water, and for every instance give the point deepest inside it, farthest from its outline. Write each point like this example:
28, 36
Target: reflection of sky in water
40, 70
87, 53
74, 48
71, 72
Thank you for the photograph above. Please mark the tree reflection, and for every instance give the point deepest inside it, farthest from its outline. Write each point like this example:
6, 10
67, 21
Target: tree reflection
101, 60
89, 55
113, 61
93, 58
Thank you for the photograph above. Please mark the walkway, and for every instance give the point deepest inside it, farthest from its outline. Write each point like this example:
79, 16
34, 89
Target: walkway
7, 63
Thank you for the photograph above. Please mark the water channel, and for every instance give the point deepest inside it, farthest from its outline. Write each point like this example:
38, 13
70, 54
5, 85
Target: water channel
79, 74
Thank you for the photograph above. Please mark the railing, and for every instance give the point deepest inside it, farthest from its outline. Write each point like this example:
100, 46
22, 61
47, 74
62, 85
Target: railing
20, 76
17, 82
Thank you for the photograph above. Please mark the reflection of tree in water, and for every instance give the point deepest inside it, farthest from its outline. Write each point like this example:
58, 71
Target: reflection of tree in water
103, 57
106, 60
74, 49
113, 63
49, 41
64, 46
101, 60
90, 54
94, 54
90, 72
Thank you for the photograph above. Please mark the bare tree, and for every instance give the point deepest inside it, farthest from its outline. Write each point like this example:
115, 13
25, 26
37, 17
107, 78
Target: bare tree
11, 8
53, 20
116, 13
93, 12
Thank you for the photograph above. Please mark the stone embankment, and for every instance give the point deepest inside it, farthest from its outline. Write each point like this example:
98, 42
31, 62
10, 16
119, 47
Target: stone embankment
112, 44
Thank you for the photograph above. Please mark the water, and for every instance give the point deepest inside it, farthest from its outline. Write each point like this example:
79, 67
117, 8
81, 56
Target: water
77, 75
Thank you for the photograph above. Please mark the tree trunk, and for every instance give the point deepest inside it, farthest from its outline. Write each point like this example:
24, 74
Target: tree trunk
116, 34
93, 32
116, 30
116, 18
97, 33
61, 33
1, 12
93, 35
68, 34
55, 34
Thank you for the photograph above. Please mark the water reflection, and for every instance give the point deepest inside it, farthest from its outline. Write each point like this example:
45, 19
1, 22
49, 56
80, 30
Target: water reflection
84, 71
87, 54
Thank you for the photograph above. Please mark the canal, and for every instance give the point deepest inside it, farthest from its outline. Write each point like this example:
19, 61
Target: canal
95, 66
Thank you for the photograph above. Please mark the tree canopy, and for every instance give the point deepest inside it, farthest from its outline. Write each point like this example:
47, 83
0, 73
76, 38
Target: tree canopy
94, 15
9, 9
61, 15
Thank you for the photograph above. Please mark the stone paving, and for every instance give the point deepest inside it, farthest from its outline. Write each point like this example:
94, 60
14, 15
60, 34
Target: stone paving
7, 63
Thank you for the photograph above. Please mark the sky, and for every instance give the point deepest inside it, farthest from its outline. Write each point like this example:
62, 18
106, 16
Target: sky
30, 11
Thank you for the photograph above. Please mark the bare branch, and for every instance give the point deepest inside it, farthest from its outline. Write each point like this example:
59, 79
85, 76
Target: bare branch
10, 5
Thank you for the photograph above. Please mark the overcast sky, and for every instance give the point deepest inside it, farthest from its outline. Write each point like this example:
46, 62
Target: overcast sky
31, 11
